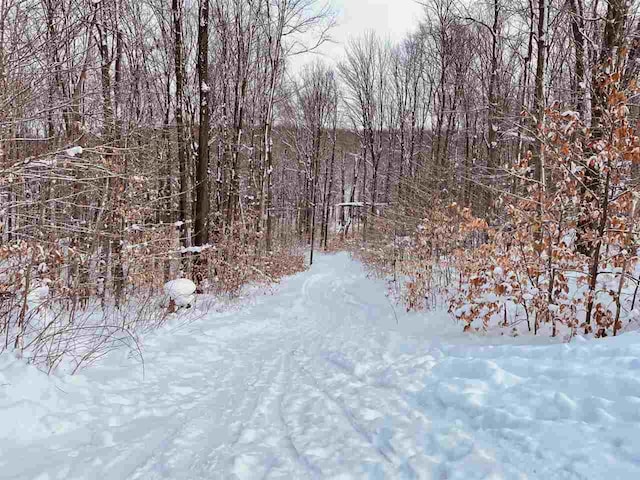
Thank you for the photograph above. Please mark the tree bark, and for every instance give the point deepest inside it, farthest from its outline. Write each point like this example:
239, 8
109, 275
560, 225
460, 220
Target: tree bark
183, 152
201, 228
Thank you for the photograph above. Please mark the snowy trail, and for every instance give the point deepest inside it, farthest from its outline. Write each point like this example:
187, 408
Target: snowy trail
318, 381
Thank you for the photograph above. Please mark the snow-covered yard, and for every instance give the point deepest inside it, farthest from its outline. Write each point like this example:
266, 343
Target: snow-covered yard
324, 379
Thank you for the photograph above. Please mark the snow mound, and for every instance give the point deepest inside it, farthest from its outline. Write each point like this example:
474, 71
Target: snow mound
27, 398
38, 296
74, 151
181, 291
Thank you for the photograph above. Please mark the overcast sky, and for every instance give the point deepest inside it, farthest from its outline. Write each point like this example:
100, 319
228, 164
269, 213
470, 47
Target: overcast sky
389, 18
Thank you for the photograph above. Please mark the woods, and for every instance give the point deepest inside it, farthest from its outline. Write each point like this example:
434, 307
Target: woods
528, 205
490, 159
136, 142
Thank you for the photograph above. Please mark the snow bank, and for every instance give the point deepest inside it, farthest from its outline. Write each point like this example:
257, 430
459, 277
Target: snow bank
74, 151
181, 291
38, 296
320, 380
28, 399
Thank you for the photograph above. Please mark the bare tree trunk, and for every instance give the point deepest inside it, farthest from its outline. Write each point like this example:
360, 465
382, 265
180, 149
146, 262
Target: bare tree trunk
539, 102
183, 151
343, 190
329, 198
524, 88
492, 160
595, 257
577, 27
314, 188
201, 228
610, 60
119, 180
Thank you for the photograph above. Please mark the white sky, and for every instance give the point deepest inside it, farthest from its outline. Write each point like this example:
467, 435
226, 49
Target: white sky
391, 19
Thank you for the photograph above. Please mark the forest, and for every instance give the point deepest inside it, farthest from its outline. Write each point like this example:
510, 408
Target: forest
486, 164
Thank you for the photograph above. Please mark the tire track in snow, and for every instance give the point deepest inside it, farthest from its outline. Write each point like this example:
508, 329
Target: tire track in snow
356, 426
257, 452
197, 444
214, 457
401, 396
187, 447
312, 469
252, 398
386, 415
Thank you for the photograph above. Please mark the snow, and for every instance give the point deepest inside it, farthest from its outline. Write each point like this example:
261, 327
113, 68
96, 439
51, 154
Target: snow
195, 249
46, 162
38, 296
524, 138
360, 204
319, 381
571, 114
73, 151
181, 291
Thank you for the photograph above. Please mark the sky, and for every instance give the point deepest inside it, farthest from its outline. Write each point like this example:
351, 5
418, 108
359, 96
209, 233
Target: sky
391, 19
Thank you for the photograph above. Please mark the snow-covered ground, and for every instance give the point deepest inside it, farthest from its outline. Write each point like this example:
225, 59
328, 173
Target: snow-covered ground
324, 379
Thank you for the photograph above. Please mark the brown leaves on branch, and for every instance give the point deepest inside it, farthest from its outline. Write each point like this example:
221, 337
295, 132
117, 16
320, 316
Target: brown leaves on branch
563, 254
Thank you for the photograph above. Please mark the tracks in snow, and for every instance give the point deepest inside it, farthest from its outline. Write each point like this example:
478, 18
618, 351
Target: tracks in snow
315, 382
244, 397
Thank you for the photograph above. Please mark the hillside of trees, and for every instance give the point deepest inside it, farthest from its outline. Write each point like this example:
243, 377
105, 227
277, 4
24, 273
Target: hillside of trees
487, 161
